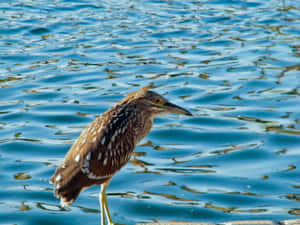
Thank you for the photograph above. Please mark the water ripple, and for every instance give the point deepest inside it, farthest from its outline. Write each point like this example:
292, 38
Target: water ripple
234, 64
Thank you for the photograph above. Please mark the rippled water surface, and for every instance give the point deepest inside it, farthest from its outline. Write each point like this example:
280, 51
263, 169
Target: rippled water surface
234, 64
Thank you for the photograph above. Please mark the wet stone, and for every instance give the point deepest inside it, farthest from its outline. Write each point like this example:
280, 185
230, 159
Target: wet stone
177, 223
290, 222
242, 222
250, 222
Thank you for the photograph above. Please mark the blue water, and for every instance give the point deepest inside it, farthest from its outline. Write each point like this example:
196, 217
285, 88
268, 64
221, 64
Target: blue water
234, 64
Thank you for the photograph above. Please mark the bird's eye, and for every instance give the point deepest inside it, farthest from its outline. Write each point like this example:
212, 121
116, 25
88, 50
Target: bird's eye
157, 101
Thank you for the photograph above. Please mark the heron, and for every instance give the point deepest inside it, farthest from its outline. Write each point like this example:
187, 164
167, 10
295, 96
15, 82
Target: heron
106, 145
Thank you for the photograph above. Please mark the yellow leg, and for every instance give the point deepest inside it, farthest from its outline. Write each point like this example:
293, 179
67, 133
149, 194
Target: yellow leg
101, 196
104, 206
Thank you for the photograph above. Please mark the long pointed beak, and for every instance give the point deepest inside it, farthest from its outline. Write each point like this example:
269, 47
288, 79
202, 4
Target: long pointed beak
177, 109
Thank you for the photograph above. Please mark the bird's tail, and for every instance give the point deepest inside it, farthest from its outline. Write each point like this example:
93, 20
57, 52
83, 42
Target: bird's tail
67, 198
65, 188
69, 181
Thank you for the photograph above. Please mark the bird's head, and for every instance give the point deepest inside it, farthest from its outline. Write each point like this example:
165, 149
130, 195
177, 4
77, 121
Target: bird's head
154, 104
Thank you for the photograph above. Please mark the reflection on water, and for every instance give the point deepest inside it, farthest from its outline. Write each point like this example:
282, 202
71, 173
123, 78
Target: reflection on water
233, 63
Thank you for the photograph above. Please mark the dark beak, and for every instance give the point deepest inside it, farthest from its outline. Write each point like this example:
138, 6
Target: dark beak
172, 108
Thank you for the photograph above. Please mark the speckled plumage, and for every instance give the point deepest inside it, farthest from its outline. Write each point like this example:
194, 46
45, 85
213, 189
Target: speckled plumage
106, 145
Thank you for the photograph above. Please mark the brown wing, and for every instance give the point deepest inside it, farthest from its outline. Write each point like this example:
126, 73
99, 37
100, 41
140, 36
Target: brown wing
99, 152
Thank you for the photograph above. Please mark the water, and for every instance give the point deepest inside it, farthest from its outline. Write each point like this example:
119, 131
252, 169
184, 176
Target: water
234, 64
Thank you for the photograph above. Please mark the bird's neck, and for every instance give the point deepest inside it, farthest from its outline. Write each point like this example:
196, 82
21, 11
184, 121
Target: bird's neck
145, 127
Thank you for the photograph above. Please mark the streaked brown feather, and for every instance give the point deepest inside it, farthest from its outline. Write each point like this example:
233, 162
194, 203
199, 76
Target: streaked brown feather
121, 127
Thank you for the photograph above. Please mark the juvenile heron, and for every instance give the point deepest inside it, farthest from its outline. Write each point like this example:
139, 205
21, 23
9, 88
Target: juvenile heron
106, 145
